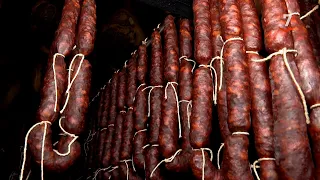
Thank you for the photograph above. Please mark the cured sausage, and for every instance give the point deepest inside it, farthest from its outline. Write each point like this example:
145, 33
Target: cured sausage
261, 112
306, 6
140, 109
202, 32
181, 162
221, 93
168, 135
289, 133
237, 91
309, 74
111, 121
209, 170
201, 116
103, 121
52, 159
87, 28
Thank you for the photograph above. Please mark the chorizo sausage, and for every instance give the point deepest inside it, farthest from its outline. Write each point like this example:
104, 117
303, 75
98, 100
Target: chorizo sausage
216, 46
201, 116
202, 30
289, 132
209, 170
87, 27
168, 134
309, 73
306, 6
111, 121
261, 112
181, 162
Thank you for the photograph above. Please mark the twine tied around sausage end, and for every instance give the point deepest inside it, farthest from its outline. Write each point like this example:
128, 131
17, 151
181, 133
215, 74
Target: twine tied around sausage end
257, 161
70, 82
214, 94
221, 55
189, 60
123, 112
134, 98
69, 145
240, 133
42, 147
284, 52
218, 155
289, 16
167, 160
98, 171
216, 77
55, 78
203, 158
126, 161
189, 107
103, 129
142, 130
149, 96
315, 106
177, 102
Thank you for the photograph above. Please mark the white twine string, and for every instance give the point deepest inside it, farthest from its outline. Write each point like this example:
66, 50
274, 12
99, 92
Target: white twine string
216, 79
144, 42
310, 12
167, 160
203, 158
284, 52
177, 102
218, 155
221, 55
212, 69
123, 112
125, 64
314, 106
70, 82
126, 161
289, 16
134, 52
189, 60
149, 96
240, 133
98, 171
257, 161
134, 169
69, 145
114, 168
252, 52
55, 78
103, 129
134, 98
88, 140
26, 145
145, 146
142, 130
280, 52
157, 28
189, 107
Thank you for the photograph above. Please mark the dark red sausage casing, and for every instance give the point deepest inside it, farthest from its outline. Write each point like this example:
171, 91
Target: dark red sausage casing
196, 163
111, 121
202, 32
236, 161
171, 50
87, 27
77, 107
201, 117
65, 34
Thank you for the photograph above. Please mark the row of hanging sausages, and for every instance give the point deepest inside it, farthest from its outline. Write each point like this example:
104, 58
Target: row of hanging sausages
161, 111
65, 93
